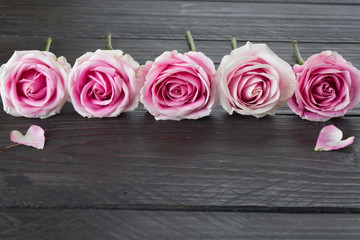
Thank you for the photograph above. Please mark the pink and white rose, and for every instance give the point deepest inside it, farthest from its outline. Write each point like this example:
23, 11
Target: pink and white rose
104, 84
179, 86
254, 81
33, 84
328, 86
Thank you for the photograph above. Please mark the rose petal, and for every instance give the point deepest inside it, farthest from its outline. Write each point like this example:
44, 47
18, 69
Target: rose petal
34, 137
330, 139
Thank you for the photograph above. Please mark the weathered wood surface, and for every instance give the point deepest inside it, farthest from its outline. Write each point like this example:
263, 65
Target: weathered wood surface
221, 177
29, 224
256, 21
220, 160
144, 49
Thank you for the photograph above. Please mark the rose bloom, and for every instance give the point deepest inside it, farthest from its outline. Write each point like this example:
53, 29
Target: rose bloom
33, 84
328, 86
104, 84
179, 86
254, 81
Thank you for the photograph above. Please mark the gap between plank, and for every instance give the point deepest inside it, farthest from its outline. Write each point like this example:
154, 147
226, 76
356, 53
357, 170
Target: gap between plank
190, 208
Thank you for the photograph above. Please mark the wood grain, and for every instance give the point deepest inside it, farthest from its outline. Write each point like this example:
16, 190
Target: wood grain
99, 224
143, 49
72, 3
220, 177
256, 21
220, 160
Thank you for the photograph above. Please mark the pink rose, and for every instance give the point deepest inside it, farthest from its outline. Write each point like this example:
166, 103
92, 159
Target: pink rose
104, 84
254, 81
179, 86
328, 86
33, 84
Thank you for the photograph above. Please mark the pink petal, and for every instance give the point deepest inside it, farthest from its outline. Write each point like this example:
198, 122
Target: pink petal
34, 137
330, 139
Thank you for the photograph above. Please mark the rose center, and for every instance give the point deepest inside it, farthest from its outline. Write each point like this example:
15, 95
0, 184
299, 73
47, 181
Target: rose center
327, 89
251, 92
175, 91
323, 91
101, 88
32, 84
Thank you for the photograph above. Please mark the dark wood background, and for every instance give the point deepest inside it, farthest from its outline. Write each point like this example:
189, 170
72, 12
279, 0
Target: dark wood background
221, 177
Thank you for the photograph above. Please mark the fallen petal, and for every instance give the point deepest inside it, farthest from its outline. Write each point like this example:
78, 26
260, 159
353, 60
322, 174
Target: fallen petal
34, 137
330, 139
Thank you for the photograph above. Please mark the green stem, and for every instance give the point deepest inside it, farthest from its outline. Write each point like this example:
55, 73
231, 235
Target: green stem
297, 53
190, 41
108, 45
49, 40
233, 43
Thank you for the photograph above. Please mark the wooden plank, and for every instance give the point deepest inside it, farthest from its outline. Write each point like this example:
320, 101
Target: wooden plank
339, 2
101, 224
144, 49
220, 160
71, 3
168, 20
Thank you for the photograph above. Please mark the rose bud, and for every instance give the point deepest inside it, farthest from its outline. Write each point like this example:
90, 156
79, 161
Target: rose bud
179, 86
33, 84
254, 81
104, 84
328, 86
